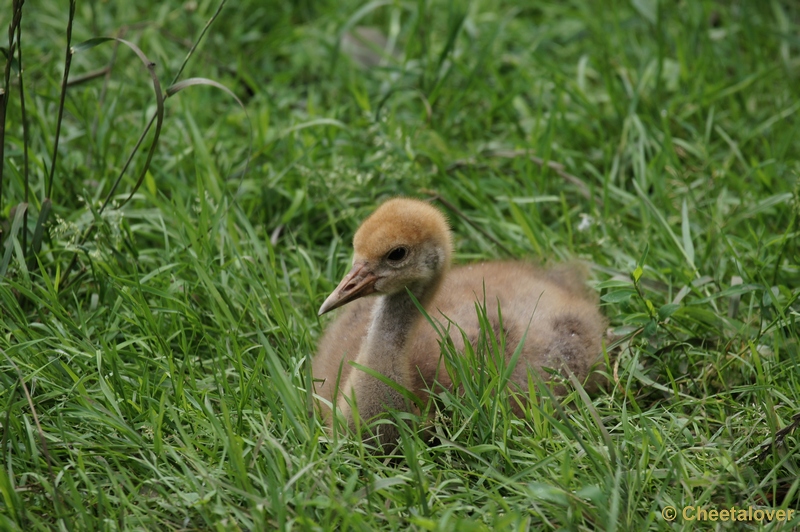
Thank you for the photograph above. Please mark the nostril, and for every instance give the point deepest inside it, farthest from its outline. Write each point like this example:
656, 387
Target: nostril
348, 287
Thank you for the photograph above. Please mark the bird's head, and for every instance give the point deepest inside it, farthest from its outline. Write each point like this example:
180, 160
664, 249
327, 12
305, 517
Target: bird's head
404, 243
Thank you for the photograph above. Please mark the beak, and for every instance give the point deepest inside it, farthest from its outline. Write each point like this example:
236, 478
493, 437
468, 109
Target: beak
358, 283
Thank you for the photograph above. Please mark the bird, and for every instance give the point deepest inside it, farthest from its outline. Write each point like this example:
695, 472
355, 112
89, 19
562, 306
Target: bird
405, 248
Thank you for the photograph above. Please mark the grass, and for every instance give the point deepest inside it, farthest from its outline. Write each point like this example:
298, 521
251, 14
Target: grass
154, 357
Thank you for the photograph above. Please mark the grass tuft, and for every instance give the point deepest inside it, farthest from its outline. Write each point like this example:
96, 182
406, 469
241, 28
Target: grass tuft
163, 252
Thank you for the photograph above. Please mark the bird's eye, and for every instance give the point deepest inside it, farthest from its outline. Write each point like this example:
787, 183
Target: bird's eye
397, 254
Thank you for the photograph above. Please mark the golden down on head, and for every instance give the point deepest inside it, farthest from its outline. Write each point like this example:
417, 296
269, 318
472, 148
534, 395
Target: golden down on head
401, 221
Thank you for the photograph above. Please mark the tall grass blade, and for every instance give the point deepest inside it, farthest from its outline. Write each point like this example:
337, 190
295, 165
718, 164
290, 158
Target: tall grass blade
19, 216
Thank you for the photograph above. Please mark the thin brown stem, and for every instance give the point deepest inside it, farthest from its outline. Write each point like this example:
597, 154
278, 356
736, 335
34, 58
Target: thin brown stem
191, 51
25, 139
62, 100
559, 169
89, 76
5, 90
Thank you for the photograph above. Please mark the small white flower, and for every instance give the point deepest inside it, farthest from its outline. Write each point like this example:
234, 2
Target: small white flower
586, 222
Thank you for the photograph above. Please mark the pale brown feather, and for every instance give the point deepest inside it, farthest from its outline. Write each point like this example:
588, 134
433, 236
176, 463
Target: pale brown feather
563, 324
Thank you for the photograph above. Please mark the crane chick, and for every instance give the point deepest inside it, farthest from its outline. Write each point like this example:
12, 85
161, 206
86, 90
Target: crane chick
405, 246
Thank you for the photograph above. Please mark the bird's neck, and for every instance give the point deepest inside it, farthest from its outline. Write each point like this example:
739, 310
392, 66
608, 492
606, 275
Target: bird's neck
394, 316
384, 351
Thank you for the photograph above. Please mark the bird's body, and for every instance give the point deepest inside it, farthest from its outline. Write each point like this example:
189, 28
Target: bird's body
551, 309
